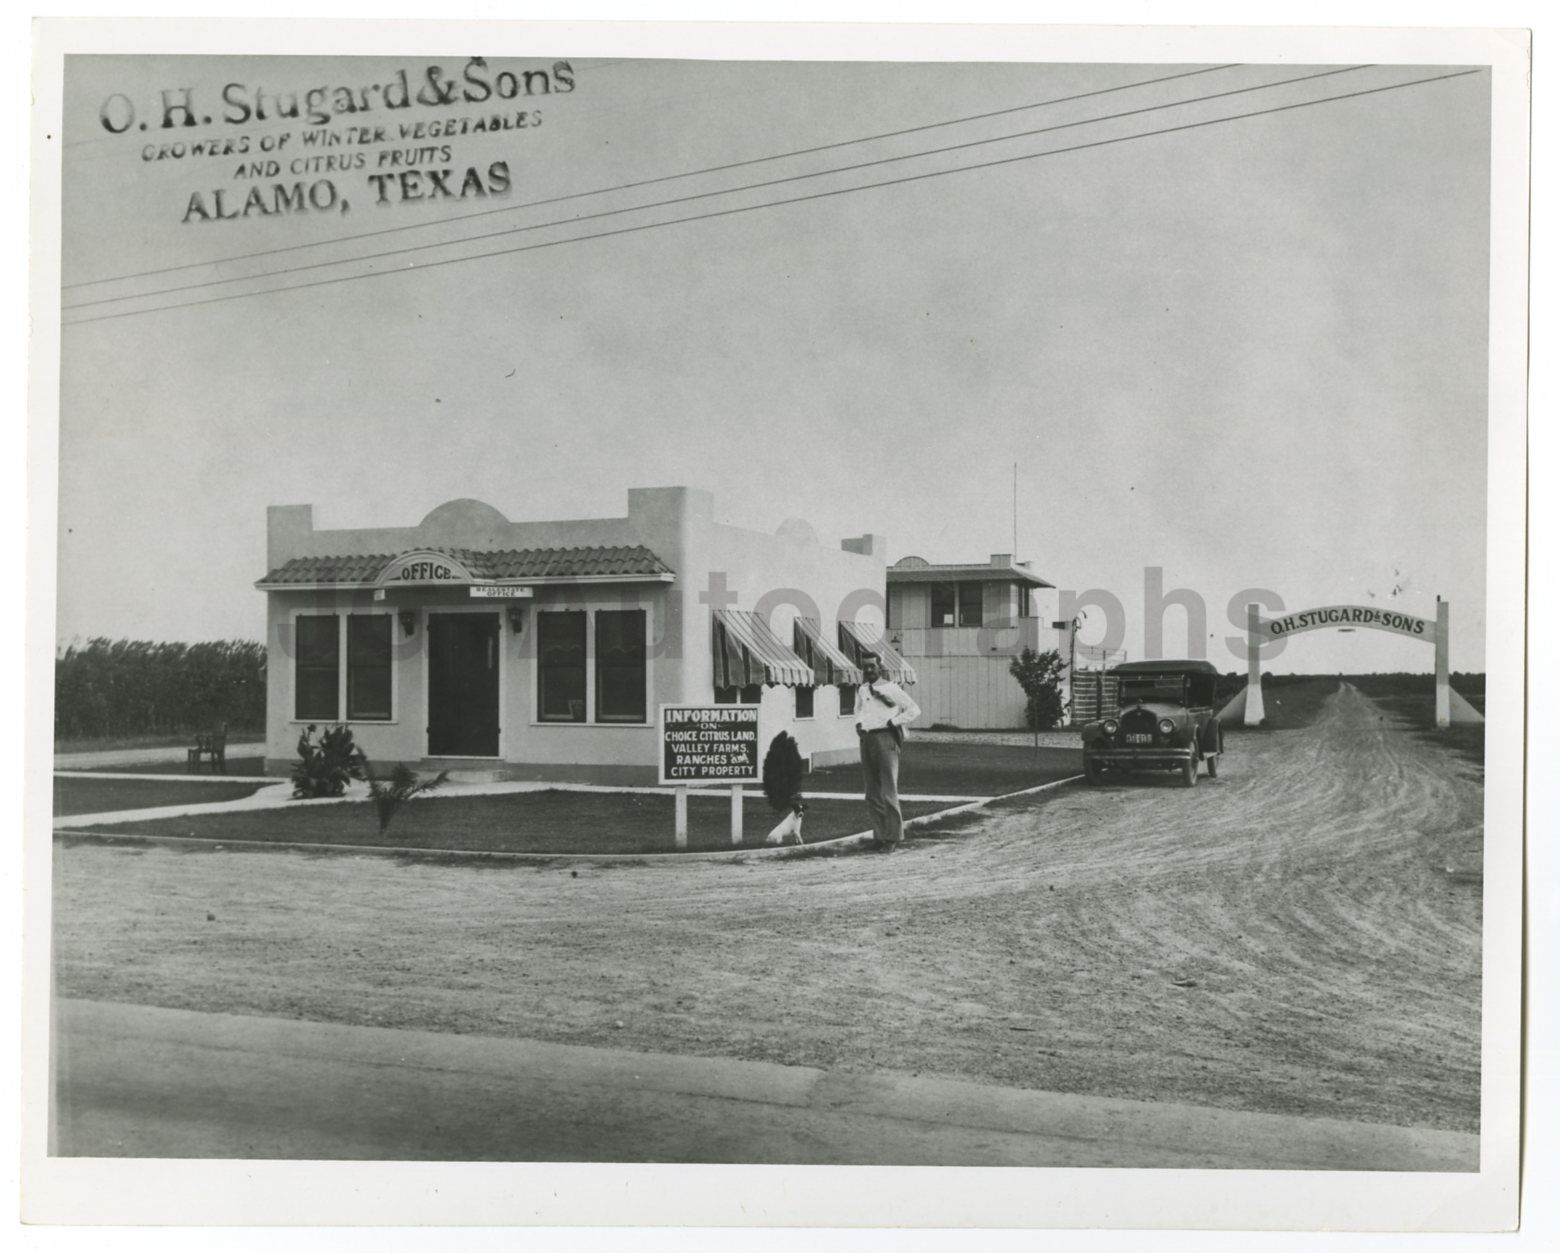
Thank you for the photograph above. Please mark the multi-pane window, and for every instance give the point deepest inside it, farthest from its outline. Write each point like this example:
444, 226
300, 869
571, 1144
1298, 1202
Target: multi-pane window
749, 695
317, 675
560, 648
804, 702
320, 680
957, 604
620, 665
368, 666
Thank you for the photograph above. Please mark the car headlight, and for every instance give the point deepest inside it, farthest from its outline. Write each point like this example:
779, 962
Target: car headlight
1110, 726
1166, 726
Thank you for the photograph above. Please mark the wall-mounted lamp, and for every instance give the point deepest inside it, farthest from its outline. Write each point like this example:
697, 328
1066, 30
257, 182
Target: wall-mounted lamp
517, 618
408, 620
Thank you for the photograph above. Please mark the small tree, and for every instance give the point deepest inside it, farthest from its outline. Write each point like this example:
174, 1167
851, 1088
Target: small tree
1040, 675
325, 768
403, 784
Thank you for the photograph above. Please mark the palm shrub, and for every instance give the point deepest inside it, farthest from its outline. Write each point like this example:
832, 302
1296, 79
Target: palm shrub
325, 768
389, 794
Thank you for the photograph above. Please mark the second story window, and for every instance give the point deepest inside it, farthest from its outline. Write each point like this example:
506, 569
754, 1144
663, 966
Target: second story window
957, 605
971, 613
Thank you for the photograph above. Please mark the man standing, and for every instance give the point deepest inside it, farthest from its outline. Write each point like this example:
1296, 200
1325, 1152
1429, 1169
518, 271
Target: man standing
883, 709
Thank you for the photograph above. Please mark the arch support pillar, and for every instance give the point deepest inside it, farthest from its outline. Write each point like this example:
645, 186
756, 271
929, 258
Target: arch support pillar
1256, 714
1443, 673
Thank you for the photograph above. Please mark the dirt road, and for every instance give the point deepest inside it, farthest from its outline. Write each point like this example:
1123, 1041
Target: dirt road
1298, 936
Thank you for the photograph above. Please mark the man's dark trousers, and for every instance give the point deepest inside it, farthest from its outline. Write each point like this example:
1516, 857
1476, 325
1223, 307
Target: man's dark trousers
880, 772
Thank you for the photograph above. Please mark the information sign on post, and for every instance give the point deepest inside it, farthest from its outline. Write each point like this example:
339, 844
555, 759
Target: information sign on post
709, 744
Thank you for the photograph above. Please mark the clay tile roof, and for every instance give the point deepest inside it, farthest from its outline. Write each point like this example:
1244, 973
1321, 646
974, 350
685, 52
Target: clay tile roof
508, 563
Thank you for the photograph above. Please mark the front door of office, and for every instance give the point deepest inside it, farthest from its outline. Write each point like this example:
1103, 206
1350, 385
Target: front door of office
463, 661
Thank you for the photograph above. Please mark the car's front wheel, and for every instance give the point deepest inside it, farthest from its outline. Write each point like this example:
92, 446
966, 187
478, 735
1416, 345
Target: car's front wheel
1092, 773
1189, 770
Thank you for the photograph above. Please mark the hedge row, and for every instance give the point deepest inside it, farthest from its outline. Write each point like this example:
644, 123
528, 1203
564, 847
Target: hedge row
134, 687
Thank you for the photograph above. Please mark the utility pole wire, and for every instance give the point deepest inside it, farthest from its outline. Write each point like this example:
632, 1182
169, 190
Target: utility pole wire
704, 195
646, 182
719, 213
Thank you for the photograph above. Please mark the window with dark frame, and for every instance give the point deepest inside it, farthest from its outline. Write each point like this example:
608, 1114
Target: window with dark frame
620, 665
945, 602
317, 671
749, 695
560, 666
368, 666
971, 611
804, 702
847, 700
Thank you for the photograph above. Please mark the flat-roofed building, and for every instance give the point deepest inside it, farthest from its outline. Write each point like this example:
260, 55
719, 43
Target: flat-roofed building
960, 625
542, 650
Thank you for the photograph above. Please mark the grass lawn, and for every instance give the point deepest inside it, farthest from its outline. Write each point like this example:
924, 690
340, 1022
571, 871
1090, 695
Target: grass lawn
961, 769
238, 767
525, 822
75, 795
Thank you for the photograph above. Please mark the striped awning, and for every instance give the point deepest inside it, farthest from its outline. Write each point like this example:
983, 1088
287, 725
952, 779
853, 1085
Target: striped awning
827, 662
857, 638
747, 652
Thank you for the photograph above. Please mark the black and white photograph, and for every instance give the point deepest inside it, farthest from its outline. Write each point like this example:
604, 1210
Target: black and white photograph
688, 599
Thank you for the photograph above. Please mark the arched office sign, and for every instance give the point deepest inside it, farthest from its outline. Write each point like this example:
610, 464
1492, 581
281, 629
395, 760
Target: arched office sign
1336, 616
424, 569
1260, 631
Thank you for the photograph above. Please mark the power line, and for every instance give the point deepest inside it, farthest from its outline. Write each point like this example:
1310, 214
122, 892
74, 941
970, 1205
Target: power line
706, 195
822, 195
648, 182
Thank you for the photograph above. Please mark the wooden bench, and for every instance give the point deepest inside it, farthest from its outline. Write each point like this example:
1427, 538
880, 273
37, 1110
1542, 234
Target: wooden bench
212, 745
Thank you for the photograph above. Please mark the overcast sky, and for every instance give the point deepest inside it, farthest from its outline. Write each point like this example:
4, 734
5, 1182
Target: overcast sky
1251, 354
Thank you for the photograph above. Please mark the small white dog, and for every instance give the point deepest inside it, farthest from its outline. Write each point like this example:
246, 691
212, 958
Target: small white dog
789, 827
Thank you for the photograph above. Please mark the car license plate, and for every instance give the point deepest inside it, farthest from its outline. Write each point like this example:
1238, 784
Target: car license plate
1140, 739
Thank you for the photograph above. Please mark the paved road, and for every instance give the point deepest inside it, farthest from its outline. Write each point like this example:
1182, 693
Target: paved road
143, 1082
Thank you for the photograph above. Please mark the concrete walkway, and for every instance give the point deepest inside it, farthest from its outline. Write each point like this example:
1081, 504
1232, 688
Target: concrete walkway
278, 795
135, 1081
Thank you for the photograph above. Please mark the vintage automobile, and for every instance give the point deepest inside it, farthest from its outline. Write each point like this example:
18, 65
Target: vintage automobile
1165, 720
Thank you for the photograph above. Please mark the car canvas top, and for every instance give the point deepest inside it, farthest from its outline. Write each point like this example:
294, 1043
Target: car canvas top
1166, 667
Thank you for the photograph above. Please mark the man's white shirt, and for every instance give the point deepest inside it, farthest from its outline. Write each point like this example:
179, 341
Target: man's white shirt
894, 709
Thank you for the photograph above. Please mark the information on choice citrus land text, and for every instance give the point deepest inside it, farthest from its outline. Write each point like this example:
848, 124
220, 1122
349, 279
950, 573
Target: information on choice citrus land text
390, 142
709, 744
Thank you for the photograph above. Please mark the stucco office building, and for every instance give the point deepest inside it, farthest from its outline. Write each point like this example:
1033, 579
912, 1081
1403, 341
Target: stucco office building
542, 650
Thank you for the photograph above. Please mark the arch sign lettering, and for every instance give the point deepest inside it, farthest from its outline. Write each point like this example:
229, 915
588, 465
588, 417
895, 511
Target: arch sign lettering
1449, 707
1347, 616
421, 569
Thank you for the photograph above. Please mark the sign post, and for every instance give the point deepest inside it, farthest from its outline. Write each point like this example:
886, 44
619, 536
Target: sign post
709, 744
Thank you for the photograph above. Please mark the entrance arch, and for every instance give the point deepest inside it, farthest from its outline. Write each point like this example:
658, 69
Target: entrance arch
1449, 706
